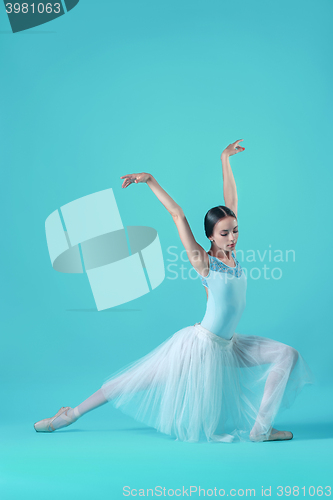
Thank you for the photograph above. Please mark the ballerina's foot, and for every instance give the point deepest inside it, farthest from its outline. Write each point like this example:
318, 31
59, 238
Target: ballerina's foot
275, 435
64, 417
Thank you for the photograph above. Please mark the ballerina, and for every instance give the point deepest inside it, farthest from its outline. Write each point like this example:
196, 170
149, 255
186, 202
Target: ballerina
205, 381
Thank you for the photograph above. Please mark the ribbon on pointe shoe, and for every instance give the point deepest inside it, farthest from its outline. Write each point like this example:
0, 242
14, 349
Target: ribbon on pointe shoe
69, 420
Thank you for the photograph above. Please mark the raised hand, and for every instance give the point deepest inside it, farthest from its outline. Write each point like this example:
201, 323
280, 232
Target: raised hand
233, 148
134, 178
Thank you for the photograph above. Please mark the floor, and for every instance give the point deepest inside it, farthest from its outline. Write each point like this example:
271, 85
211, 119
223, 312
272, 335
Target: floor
108, 455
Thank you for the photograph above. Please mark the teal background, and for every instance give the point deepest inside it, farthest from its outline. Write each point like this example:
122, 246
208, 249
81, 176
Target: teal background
162, 87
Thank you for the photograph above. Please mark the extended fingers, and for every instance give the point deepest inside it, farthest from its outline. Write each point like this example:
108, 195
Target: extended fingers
128, 179
237, 147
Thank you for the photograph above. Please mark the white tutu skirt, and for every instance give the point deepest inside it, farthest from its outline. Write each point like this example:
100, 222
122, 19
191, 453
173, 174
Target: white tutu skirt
198, 386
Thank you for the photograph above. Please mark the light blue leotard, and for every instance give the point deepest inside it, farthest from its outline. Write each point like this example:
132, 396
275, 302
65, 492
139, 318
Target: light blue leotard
226, 297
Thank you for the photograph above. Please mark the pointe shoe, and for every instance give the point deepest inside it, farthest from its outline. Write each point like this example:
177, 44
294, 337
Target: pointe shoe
276, 436
280, 436
45, 425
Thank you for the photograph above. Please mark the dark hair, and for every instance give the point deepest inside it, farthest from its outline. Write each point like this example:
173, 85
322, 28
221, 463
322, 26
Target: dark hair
215, 214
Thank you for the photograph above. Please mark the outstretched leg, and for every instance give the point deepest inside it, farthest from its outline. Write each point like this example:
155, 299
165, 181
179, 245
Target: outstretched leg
120, 384
94, 401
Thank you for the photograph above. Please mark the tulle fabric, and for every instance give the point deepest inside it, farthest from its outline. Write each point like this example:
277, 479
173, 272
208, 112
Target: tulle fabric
198, 386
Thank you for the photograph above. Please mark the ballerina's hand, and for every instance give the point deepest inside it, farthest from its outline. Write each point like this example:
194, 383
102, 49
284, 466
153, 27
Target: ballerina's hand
233, 149
134, 178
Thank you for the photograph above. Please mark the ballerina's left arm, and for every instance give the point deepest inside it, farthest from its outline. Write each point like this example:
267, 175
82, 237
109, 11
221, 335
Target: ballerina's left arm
229, 184
196, 254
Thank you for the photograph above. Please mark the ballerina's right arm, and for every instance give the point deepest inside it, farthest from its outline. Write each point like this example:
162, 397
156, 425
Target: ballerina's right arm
196, 254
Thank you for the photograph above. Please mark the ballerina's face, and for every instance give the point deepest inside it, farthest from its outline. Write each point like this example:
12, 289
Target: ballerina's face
225, 234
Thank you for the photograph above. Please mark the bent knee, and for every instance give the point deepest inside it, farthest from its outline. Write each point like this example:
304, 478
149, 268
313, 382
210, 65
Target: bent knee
290, 354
